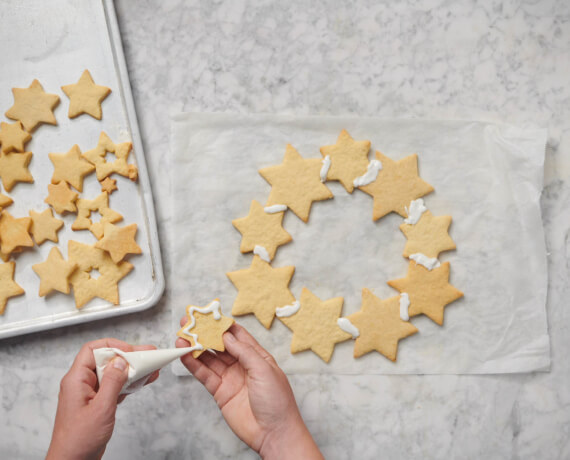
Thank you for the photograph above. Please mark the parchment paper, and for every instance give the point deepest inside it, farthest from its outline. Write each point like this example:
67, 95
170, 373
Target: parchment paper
487, 176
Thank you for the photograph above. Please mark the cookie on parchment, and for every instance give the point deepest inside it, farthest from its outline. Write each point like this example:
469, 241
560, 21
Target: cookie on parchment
14, 232
85, 96
70, 167
44, 226
54, 273
101, 205
119, 241
33, 106
8, 287
105, 168
13, 137
429, 236
61, 197
14, 169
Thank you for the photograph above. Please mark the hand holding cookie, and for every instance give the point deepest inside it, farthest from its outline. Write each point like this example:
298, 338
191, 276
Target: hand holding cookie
254, 396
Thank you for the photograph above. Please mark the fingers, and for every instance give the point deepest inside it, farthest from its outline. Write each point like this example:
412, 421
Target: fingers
115, 376
85, 356
243, 335
203, 374
245, 353
183, 321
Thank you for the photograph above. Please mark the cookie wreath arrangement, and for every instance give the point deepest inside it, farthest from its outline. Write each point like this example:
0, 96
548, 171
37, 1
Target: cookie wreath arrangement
316, 324
33, 107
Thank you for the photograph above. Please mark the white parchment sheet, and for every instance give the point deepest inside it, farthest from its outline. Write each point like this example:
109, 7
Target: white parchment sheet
487, 176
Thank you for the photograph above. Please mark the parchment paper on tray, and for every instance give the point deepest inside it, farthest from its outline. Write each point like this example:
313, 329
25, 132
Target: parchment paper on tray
487, 176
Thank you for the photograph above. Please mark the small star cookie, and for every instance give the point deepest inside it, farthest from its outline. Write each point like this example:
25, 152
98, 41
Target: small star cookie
85, 96
380, 326
61, 197
54, 273
99, 204
429, 290
205, 327
108, 185
8, 287
70, 167
428, 236
5, 201
13, 137
45, 226
103, 167
396, 185
261, 228
296, 183
33, 106
86, 287
14, 232
14, 169
349, 159
315, 326
261, 289
119, 241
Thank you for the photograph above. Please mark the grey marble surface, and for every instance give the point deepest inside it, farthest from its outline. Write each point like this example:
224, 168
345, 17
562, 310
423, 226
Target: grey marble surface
498, 60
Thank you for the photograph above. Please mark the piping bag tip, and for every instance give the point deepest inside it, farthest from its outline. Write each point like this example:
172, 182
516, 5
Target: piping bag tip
141, 363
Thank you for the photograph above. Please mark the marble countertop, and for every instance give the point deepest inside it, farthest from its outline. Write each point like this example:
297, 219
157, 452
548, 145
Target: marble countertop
424, 59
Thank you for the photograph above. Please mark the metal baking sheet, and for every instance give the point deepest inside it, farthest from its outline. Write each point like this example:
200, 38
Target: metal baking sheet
55, 42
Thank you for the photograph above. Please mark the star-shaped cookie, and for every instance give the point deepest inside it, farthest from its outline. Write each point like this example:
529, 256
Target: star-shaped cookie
261, 289
14, 169
5, 201
105, 168
33, 106
8, 287
54, 273
70, 167
100, 205
87, 287
428, 236
207, 325
314, 325
349, 159
61, 197
108, 185
296, 183
119, 241
260, 228
85, 96
396, 185
380, 326
429, 291
14, 232
45, 226
13, 137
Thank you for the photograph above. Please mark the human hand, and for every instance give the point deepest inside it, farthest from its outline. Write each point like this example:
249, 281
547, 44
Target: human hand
254, 396
85, 415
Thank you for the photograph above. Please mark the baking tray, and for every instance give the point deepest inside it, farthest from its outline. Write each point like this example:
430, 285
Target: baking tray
54, 42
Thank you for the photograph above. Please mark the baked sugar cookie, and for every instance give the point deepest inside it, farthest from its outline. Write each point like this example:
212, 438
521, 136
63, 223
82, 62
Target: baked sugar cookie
44, 226
33, 106
429, 236
54, 273
13, 137
101, 205
119, 241
14, 169
70, 167
105, 168
61, 197
14, 232
85, 96
8, 287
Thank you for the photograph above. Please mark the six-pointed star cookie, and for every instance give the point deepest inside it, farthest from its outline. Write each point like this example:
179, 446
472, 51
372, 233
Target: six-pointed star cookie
14, 169
33, 106
296, 183
85, 96
396, 185
45, 226
61, 197
261, 289
428, 236
380, 326
349, 159
70, 167
429, 291
13, 137
105, 168
119, 241
14, 232
8, 287
86, 286
260, 228
99, 204
314, 325
205, 325
54, 273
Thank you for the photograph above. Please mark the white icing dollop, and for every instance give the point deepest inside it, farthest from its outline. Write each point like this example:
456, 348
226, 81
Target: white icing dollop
370, 175
428, 262
348, 327
261, 252
275, 208
415, 211
325, 168
404, 304
288, 310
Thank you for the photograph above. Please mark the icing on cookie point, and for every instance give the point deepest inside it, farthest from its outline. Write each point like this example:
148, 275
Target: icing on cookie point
85, 97
33, 106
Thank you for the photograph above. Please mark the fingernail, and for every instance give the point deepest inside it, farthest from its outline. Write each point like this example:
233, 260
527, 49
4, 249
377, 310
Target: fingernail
230, 337
119, 363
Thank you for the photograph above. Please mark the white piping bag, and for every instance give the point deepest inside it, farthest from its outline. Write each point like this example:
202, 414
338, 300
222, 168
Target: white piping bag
141, 363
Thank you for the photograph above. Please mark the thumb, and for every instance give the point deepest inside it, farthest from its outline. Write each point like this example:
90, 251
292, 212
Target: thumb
115, 376
246, 355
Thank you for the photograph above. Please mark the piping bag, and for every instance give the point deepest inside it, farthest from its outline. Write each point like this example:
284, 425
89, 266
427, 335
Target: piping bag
141, 363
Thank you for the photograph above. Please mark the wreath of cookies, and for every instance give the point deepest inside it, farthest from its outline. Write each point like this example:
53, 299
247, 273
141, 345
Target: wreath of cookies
316, 324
